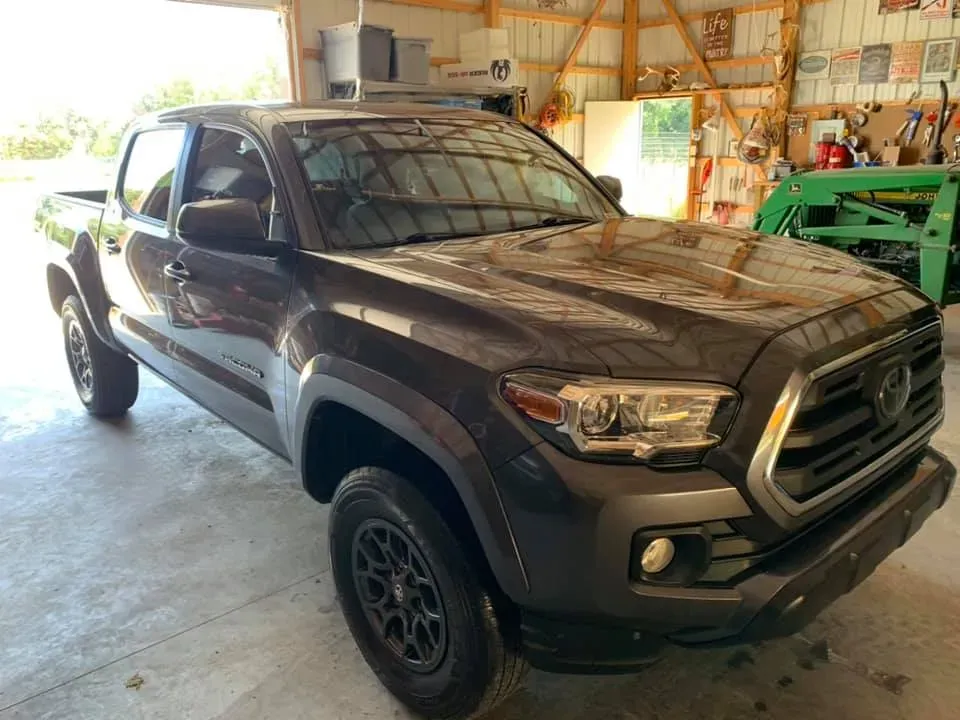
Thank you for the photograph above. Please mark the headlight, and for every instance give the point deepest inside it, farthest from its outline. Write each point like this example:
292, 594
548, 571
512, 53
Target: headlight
640, 419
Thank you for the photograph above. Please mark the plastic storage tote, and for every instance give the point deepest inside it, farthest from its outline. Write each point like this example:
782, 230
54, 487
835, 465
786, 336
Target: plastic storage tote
410, 60
349, 54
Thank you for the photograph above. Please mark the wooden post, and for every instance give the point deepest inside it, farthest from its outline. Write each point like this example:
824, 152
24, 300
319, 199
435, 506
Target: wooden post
790, 42
628, 56
491, 12
693, 192
294, 23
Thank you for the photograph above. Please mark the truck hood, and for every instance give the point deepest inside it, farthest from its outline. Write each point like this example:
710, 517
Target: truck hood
649, 298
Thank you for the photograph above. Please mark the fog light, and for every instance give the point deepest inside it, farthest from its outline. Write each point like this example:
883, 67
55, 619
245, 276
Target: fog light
657, 555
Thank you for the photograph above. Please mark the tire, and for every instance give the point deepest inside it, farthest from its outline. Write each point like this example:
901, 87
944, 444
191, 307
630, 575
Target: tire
472, 656
106, 381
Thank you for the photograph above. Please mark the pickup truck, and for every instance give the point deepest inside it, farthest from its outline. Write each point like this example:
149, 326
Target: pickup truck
550, 434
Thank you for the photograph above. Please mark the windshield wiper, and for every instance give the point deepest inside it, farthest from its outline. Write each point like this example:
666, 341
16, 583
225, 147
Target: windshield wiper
555, 220
421, 237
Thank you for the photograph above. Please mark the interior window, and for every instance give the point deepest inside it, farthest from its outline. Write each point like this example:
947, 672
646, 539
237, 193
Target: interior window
229, 165
148, 177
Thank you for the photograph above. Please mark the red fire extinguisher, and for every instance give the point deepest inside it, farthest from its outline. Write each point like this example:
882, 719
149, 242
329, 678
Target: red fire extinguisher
823, 155
839, 157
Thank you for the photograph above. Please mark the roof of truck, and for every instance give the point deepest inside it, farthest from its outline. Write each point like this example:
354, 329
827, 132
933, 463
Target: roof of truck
326, 110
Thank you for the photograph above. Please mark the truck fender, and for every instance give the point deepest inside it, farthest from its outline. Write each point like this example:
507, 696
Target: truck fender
430, 429
82, 267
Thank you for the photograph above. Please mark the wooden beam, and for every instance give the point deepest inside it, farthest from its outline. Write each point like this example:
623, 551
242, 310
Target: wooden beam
581, 41
628, 50
767, 6
552, 17
783, 96
454, 5
736, 62
317, 54
574, 70
693, 176
654, 95
491, 13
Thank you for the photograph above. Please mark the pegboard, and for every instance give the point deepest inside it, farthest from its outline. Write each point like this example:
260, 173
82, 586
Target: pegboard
880, 125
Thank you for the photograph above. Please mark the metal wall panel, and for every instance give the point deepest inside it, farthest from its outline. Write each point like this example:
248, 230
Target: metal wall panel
850, 23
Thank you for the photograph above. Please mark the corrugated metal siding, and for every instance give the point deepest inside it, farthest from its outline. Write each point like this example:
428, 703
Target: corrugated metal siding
550, 43
531, 41
849, 23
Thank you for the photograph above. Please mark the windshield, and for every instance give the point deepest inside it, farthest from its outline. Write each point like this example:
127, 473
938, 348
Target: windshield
387, 182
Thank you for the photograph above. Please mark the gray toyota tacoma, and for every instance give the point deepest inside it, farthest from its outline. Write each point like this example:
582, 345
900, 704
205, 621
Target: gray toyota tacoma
550, 434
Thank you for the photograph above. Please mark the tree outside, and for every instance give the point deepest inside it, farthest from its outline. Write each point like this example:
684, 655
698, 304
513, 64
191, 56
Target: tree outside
52, 137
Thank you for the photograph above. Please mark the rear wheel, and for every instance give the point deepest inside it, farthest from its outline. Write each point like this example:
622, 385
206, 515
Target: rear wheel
414, 603
106, 381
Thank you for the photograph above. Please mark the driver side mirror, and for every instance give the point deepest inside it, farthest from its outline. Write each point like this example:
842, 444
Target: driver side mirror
612, 185
231, 225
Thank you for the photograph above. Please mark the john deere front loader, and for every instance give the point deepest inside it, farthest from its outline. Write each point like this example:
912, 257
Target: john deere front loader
901, 219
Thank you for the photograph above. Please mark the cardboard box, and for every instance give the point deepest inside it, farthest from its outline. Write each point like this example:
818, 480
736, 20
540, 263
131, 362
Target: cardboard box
891, 155
497, 72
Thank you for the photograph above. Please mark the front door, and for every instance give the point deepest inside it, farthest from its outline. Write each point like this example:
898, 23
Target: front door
136, 239
229, 310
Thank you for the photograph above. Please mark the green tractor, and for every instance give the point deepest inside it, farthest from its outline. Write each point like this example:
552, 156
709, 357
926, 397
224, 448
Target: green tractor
902, 220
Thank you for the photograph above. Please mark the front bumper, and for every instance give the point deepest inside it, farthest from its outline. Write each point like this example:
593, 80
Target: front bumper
584, 613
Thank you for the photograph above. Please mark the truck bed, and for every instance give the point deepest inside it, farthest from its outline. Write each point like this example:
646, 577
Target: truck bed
62, 217
97, 197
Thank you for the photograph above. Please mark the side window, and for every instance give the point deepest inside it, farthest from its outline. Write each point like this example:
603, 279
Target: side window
228, 165
148, 176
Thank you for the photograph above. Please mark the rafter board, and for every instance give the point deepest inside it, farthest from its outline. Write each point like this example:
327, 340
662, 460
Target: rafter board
766, 6
552, 17
491, 13
761, 87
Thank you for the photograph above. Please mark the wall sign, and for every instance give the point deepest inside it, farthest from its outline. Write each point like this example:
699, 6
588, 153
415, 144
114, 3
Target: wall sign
892, 6
845, 66
816, 65
939, 60
875, 63
718, 35
905, 60
935, 9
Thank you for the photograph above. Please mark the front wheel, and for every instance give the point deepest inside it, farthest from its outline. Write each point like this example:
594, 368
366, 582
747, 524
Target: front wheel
417, 610
107, 382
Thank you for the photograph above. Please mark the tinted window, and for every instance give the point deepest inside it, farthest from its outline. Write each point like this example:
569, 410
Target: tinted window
379, 182
229, 165
148, 178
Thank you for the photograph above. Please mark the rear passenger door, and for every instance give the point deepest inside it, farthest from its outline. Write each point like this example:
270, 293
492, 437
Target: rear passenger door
135, 243
228, 310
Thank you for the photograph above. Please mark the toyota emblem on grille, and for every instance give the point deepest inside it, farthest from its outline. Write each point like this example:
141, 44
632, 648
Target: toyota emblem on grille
894, 392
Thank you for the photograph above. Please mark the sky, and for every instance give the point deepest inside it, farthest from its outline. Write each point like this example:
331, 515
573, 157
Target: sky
99, 56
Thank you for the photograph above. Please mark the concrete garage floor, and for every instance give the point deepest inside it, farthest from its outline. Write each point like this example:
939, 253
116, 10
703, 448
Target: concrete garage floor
169, 548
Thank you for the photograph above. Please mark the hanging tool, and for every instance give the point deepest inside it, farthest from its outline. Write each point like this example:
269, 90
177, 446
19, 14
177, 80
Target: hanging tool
909, 125
937, 154
928, 132
956, 148
948, 116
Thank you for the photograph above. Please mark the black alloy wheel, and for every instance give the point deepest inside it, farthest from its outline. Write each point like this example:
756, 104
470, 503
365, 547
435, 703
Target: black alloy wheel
399, 595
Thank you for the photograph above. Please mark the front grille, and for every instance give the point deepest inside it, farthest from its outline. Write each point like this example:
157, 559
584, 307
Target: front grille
838, 430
